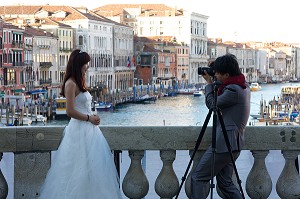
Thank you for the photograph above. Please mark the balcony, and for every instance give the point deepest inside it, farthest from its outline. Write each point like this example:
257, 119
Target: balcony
28, 62
32, 145
18, 64
168, 75
44, 46
45, 64
66, 50
45, 81
28, 46
17, 44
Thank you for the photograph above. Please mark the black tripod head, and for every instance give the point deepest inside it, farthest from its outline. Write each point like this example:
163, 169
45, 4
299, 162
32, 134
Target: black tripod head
216, 84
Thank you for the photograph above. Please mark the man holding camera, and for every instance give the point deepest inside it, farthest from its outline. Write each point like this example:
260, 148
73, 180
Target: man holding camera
233, 99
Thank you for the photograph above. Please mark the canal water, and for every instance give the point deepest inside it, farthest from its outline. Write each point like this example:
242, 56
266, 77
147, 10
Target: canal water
182, 110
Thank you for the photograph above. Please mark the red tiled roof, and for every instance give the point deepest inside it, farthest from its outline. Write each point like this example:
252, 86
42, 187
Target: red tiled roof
19, 9
103, 18
111, 10
51, 21
166, 40
37, 32
150, 48
10, 26
72, 13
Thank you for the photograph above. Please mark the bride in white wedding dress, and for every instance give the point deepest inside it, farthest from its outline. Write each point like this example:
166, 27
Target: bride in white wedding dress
83, 167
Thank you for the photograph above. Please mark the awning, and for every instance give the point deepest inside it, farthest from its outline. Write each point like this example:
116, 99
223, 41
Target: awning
18, 90
36, 92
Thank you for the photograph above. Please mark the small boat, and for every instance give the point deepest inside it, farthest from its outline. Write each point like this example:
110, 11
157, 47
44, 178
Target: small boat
59, 108
144, 98
186, 91
255, 86
36, 118
290, 92
27, 121
255, 116
197, 93
39, 118
16, 121
170, 94
102, 106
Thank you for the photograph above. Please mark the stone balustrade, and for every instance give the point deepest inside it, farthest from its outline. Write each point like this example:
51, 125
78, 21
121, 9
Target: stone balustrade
32, 147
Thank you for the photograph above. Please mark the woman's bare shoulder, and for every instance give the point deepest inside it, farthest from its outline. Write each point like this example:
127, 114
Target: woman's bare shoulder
72, 86
70, 82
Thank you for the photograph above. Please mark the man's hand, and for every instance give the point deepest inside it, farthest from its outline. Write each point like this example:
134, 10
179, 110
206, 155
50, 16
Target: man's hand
207, 77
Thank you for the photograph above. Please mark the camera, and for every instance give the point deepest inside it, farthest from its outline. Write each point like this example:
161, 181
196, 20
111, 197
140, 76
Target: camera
209, 70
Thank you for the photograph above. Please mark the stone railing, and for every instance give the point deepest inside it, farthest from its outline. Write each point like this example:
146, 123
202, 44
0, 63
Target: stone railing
32, 146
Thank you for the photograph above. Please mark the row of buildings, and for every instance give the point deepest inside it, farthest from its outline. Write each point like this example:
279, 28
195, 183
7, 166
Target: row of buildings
129, 44
269, 62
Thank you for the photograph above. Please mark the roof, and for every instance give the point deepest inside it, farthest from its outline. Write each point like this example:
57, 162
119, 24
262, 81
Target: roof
72, 13
111, 10
149, 48
19, 9
37, 32
51, 21
104, 19
10, 26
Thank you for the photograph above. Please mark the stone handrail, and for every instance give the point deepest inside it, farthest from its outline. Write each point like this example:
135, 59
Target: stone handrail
32, 146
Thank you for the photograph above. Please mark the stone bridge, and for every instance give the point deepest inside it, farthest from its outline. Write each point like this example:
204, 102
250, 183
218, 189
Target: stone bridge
32, 148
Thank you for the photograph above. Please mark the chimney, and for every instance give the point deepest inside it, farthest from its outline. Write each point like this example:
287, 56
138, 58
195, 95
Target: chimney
174, 12
167, 13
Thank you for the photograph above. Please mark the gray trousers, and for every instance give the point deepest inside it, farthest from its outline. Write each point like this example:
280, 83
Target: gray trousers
223, 169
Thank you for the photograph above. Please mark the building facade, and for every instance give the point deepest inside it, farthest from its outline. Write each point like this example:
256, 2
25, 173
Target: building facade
149, 20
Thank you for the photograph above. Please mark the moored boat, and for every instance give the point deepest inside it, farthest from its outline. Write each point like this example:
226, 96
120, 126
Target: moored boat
197, 93
26, 121
102, 106
59, 108
255, 86
290, 92
186, 91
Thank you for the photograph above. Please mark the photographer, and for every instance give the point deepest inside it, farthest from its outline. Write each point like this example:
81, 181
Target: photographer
233, 99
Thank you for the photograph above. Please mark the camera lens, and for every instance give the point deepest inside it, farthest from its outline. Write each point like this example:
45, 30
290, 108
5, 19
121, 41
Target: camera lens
209, 70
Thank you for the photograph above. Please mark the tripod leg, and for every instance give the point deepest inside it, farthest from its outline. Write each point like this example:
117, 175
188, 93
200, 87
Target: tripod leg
213, 148
230, 151
195, 150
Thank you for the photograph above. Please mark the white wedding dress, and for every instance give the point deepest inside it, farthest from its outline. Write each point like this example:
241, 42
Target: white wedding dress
83, 167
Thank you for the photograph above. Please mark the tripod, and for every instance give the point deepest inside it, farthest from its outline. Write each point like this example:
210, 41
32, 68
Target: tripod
216, 113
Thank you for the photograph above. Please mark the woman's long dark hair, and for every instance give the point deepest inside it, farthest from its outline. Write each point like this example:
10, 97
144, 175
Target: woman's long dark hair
74, 70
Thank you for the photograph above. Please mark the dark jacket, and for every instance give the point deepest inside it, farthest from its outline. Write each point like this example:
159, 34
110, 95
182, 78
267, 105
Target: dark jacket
234, 104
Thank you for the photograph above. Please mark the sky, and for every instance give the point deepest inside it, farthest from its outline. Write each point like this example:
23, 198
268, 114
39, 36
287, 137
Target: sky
231, 20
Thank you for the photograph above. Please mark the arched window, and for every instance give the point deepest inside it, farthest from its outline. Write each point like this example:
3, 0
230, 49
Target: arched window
138, 60
154, 60
80, 40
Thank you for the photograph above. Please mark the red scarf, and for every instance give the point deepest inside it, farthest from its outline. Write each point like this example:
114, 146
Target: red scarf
238, 80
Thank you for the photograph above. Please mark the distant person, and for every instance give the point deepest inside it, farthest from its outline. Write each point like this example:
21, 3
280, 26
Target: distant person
83, 166
233, 99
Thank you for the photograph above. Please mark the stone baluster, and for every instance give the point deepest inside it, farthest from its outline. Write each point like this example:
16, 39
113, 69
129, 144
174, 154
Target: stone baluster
288, 183
167, 184
196, 160
259, 183
135, 184
3, 183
